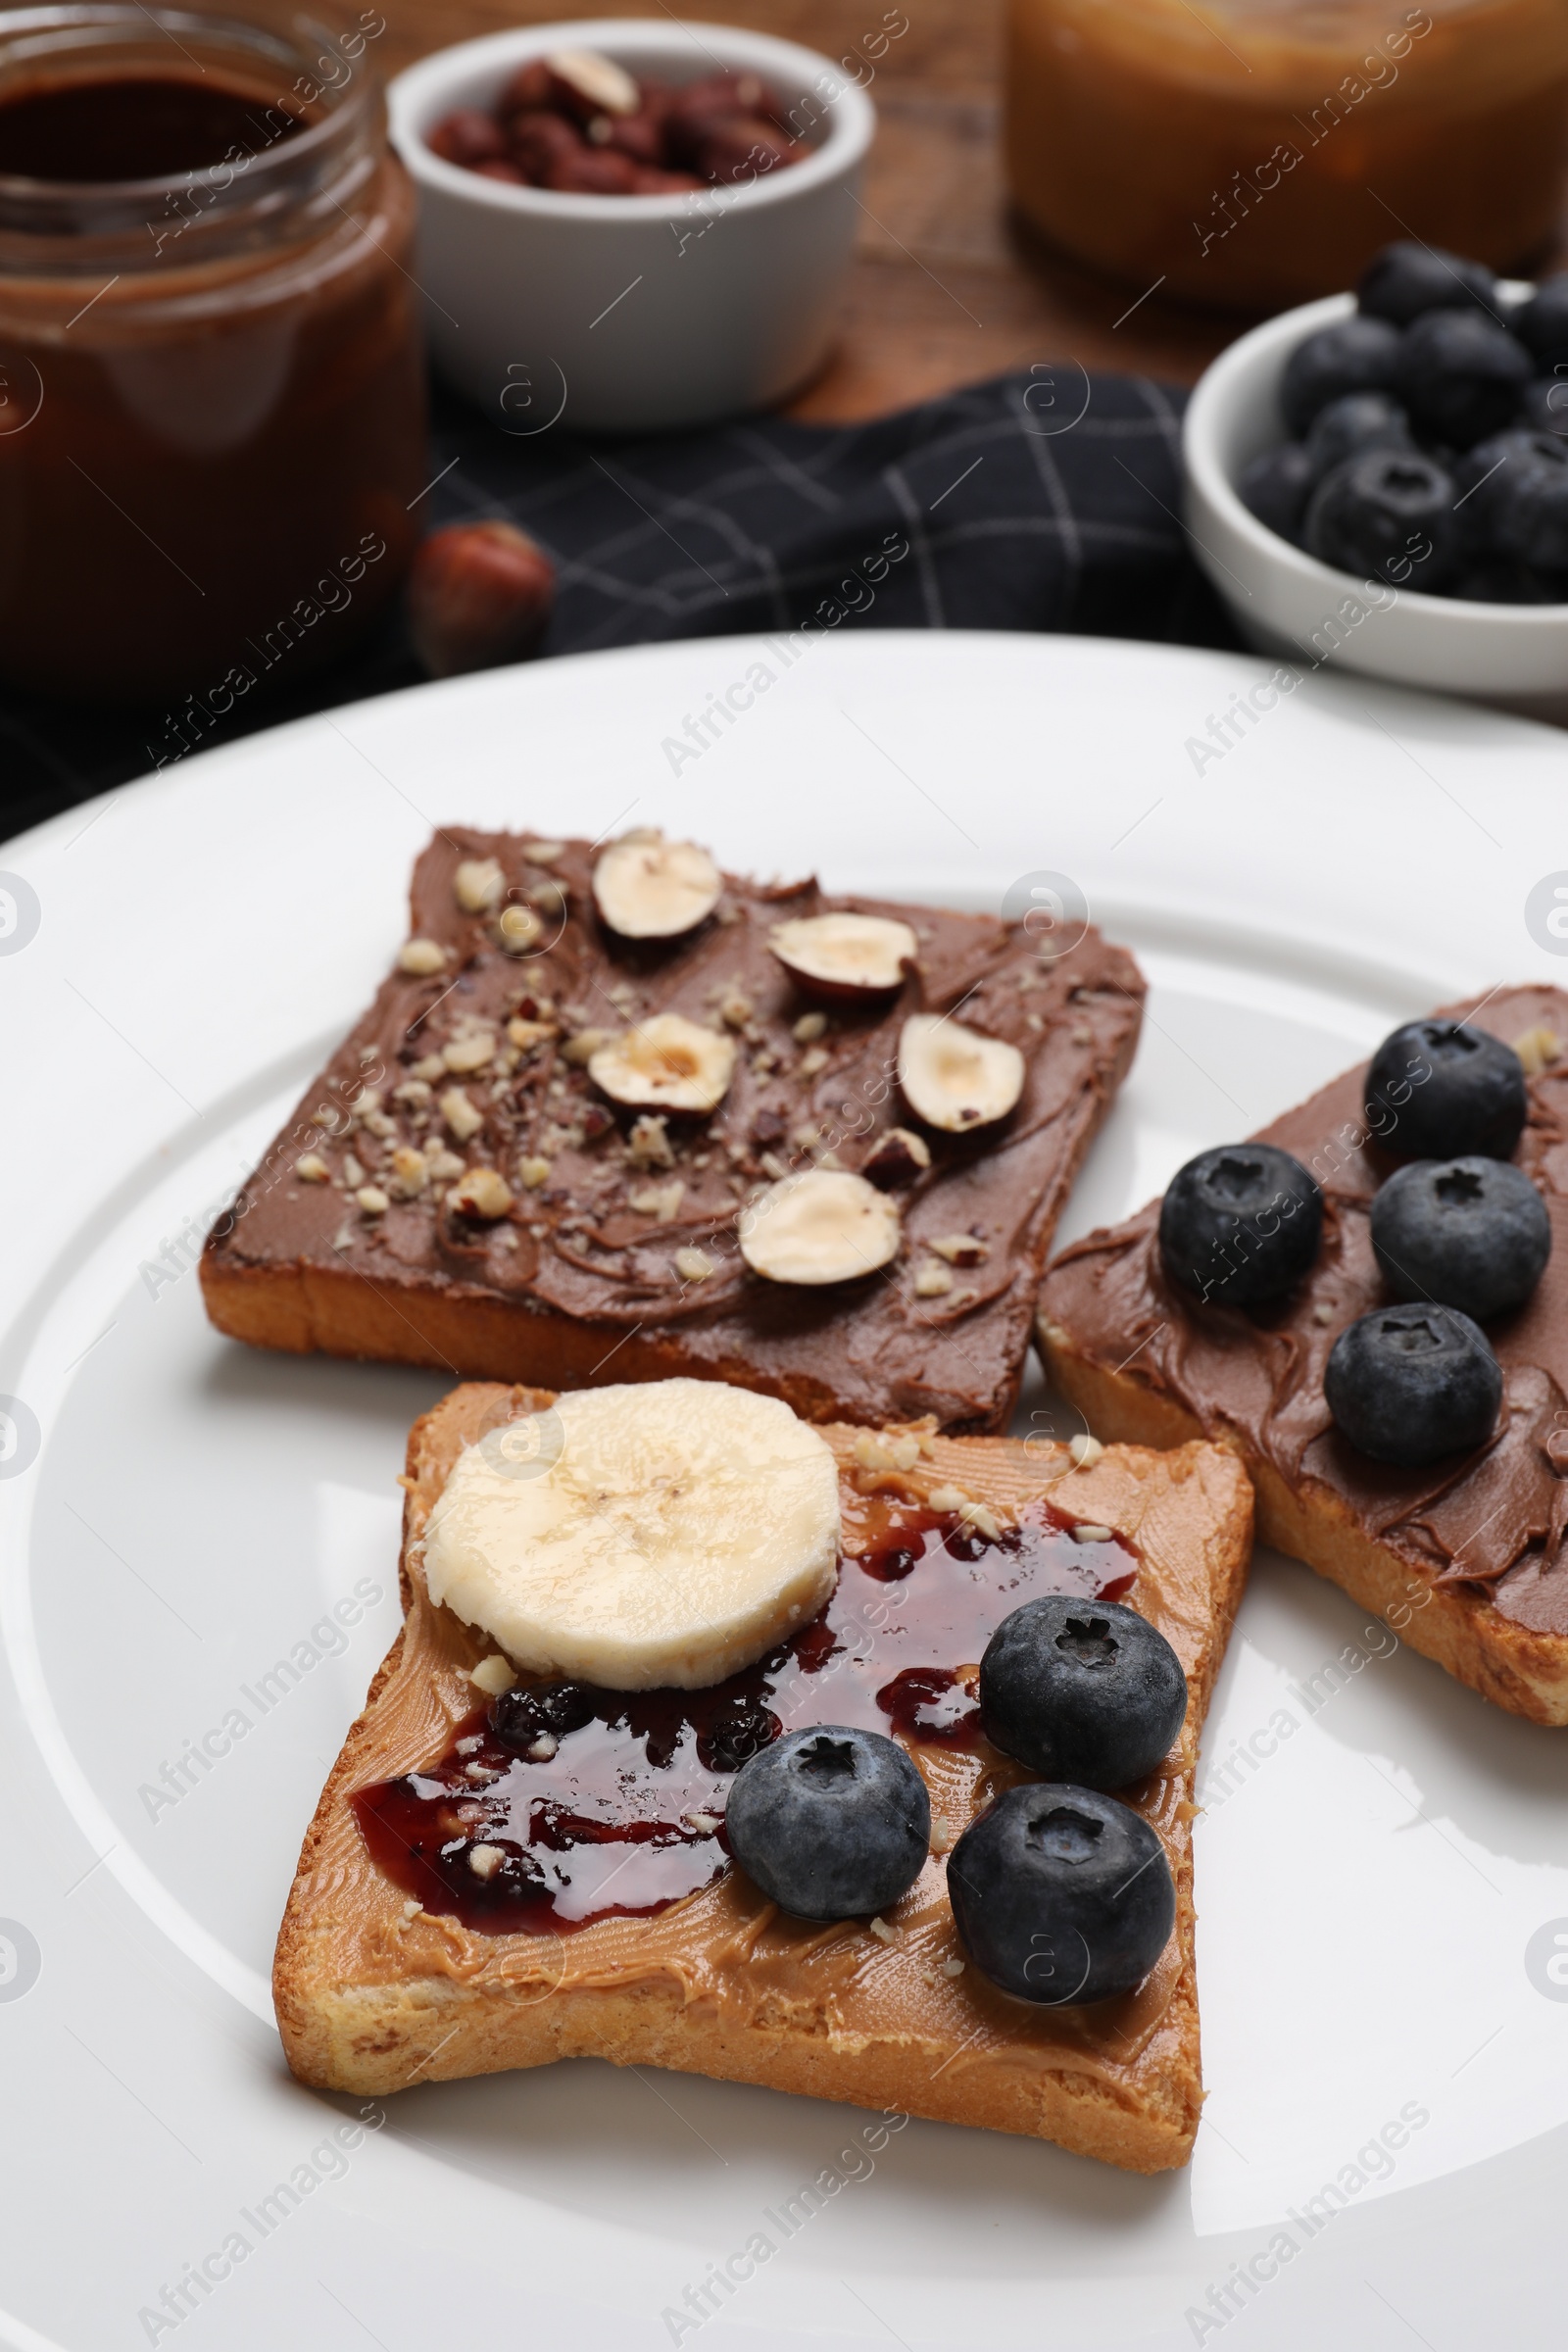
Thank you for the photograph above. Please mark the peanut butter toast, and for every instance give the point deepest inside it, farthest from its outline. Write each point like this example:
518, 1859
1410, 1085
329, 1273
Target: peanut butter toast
627, 1933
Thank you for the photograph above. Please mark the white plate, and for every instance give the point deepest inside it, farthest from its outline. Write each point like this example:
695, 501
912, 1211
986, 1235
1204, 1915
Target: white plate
1377, 1898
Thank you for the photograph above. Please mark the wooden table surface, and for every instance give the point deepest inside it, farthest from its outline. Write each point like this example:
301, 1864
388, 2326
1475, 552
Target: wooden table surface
946, 288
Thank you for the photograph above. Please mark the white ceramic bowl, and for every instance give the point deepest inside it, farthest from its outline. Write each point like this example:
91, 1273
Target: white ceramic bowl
633, 313
1287, 603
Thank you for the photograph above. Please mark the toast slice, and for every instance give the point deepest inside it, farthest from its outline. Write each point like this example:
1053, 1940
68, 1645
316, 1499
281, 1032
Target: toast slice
1465, 1560
375, 1992
610, 1251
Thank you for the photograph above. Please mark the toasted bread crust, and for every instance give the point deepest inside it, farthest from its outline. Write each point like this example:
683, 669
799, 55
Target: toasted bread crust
1524, 1672
369, 2000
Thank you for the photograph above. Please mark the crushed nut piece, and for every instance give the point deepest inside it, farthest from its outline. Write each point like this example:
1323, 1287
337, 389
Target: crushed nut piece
543, 1747
983, 1519
871, 1453
809, 1028
1323, 1313
518, 929
411, 1172
661, 1201
953, 1968
882, 1931
485, 1860
582, 1047
532, 1173
312, 1168
421, 957
474, 1051
493, 1674
959, 1249
814, 1061
1083, 1035
525, 1035
549, 896
1085, 1451
414, 1091
443, 1164
648, 1146
429, 1069
1537, 1049
545, 852
460, 1113
353, 1173
1033, 1021
735, 1007
693, 1266
946, 1498
477, 884
366, 1103
1086, 1532
371, 1200
942, 1839
932, 1281
897, 1158
809, 1132
483, 1192
706, 1823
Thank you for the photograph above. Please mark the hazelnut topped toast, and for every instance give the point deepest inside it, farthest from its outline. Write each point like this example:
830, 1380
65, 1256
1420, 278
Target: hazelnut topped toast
520, 1858
1375, 1319
615, 1116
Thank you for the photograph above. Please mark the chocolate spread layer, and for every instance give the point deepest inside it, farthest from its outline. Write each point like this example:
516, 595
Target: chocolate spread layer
612, 1215
1493, 1520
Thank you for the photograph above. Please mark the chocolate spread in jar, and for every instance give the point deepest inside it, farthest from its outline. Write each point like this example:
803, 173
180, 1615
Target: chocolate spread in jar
1493, 1520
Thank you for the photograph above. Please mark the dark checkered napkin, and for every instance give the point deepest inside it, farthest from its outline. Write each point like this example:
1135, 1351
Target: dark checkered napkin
1045, 501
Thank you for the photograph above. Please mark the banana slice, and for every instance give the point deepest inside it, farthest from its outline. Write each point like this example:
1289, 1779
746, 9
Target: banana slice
661, 1534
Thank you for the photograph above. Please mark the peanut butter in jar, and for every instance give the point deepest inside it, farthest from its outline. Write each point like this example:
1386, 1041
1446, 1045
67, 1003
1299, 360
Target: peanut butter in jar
1257, 153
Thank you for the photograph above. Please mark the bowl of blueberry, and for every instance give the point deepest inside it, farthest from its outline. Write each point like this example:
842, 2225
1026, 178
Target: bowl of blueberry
1379, 481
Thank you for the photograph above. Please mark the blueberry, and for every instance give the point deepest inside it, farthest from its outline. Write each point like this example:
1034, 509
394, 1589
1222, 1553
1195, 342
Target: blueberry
1441, 1090
1355, 355
1276, 486
1411, 1383
1472, 1234
1387, 512
1495, 580
1485, 475
521, 1714
1062, 1894
831, 1823
1544, 406
1541, 324
1082, 1693
1240, 1224
1354, 422
1461, 377
1528, 516
1405, 279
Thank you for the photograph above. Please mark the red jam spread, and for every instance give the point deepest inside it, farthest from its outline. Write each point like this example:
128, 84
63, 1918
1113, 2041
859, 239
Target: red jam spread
625, 1816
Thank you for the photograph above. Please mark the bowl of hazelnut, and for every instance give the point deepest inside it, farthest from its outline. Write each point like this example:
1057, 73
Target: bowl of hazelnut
630, 227
1379, 481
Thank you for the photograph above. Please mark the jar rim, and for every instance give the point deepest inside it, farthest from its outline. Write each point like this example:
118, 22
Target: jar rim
45, 34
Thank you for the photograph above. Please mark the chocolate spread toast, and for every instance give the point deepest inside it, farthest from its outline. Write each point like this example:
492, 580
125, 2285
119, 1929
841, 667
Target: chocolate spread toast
455, 1190
397, 1964
1465, 1558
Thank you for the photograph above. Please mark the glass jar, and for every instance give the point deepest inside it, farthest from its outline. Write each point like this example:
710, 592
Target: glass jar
212, 397
1259, 151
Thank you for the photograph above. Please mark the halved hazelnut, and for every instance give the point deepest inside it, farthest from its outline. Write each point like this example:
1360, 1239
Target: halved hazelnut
649, 887
478, 884
845, 955
959, 1248
897, 1158
592, 83
819, 1227
667, 1063
952, 1077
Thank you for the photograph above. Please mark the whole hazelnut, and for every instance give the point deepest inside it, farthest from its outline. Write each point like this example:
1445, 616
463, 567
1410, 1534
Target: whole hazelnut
478, 594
